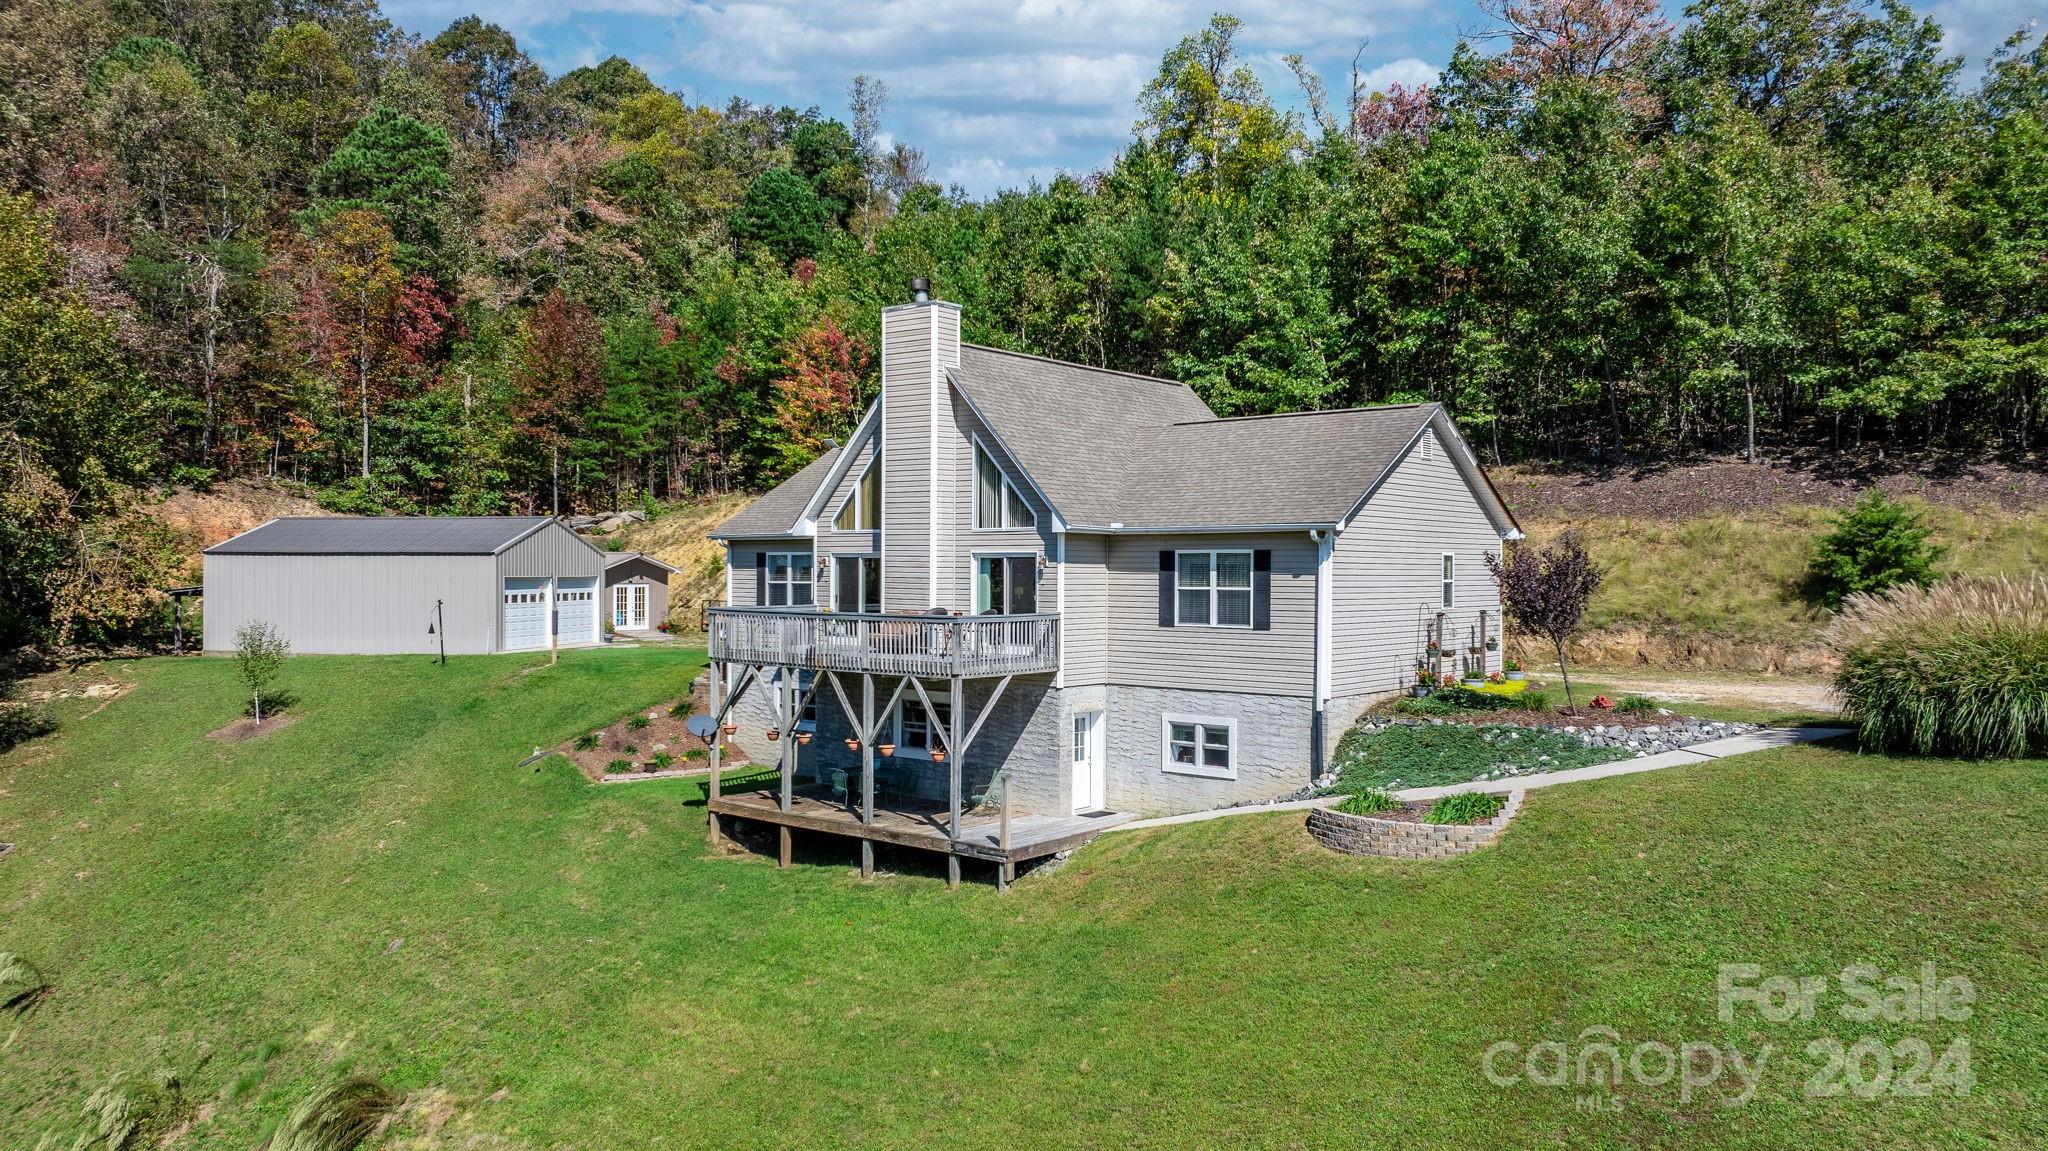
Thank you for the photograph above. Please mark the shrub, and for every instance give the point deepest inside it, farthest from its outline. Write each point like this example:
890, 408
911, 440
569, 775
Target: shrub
1446, 700
1637, 705
638, 721
618, 765
20, 982
586, 741
663, 761
1877, 544
1957, 669
1531, 701
1466, 807
21, 722
1371, 801
337, 1117
630, 749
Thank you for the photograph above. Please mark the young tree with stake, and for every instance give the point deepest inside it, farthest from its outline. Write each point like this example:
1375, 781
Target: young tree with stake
1546, 590
259, 654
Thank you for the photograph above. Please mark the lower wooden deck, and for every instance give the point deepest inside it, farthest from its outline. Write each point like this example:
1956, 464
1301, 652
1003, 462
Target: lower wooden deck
1031, 836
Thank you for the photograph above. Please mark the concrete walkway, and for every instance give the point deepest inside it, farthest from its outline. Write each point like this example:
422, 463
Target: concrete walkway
1713, 749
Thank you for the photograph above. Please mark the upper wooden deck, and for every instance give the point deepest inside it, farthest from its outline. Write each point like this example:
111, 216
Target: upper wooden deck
931, 646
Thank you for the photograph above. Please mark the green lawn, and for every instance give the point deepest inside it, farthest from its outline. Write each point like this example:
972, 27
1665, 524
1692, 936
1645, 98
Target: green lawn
576, 971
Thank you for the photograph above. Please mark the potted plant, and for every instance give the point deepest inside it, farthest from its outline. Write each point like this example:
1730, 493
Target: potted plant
852, 744
610, 632
804, 737
1472, 679
729, 728
1513, 669
774, 733
1424, 683
938, 755
1493, 643
1495, 677
1431, 650
886, 748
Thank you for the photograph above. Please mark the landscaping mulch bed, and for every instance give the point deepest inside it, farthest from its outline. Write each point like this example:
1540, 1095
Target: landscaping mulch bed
661, 730
1413, 813
245, 728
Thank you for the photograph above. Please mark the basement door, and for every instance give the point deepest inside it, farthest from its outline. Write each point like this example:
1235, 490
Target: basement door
1090, 772
526, 614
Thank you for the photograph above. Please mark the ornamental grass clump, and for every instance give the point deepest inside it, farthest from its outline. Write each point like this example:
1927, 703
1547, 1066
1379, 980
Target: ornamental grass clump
1960, 668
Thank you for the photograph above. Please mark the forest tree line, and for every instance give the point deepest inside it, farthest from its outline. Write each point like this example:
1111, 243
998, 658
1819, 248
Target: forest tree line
286, 238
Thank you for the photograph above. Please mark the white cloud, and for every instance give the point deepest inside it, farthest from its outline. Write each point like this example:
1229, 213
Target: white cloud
1407, 72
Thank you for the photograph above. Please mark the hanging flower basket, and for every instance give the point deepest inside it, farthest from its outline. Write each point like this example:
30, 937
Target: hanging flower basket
774, 733
938, 755
1493, 643
730, 728
886, 748
852, 744
803, 737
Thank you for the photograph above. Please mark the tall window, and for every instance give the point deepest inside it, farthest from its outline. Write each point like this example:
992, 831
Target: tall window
914, 725
997, 502
862, 510
1006, 585
789, 579
1198, 745
1213, 588
1450, 580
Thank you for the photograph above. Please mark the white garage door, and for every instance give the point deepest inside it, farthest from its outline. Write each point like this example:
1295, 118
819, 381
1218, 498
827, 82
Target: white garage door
576, 601
526, 614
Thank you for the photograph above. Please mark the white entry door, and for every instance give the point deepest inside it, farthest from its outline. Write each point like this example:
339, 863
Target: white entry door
576, 609
629, 607
526, 614
1090, 774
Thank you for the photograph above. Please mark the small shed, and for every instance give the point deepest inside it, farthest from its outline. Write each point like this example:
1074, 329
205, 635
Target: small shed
636, 591
372, 585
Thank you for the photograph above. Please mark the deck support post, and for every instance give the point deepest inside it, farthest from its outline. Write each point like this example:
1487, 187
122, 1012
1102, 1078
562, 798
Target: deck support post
958, 707
786, 691
867, 773
782, 847
717, 746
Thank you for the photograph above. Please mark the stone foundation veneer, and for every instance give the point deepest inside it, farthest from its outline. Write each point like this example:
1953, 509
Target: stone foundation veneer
1365, 835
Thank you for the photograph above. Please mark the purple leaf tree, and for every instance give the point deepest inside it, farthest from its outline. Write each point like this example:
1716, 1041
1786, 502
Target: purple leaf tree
1546, 589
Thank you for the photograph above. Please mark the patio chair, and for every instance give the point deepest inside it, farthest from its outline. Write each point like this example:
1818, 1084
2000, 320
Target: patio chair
839, 791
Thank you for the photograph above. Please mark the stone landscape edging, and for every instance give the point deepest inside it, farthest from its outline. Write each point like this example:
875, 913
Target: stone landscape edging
1399, 839
1761, 740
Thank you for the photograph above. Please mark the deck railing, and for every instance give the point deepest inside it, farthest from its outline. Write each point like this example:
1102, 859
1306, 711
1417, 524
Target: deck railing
924, 645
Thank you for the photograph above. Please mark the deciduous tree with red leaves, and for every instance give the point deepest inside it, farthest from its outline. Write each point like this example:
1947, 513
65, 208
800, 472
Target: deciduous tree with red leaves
559, 376
816, 398
1546, 589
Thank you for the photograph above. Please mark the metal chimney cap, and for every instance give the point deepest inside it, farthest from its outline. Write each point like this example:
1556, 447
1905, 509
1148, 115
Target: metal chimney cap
920, 290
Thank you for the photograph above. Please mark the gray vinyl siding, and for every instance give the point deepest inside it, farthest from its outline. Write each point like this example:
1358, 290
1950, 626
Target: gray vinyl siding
832, 541
354, 605
639, 571
908, 336
1387, 574
1084, 624
740, 557
959, 540
1279, 661
554, 551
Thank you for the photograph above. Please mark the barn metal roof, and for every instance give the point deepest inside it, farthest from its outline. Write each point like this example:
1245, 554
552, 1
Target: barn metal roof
382, 536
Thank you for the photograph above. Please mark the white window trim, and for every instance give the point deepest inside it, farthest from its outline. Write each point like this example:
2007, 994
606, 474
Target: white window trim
853, 497
896, 729
831, 562
1252, 589
1448, 592
1003, 505
1211, 722
790, 582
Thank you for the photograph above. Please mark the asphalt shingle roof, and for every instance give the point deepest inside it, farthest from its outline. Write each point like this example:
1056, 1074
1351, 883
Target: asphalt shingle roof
776, 513
381, 535
1112, 448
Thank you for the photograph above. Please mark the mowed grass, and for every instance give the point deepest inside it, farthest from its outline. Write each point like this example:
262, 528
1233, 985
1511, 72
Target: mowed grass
577, 972
1742, 577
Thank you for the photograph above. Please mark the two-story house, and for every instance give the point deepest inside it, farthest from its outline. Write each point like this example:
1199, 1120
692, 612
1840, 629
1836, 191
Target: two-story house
1091, 590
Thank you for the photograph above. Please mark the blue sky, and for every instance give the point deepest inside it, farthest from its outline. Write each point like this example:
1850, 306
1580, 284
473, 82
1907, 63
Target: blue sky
999, 92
